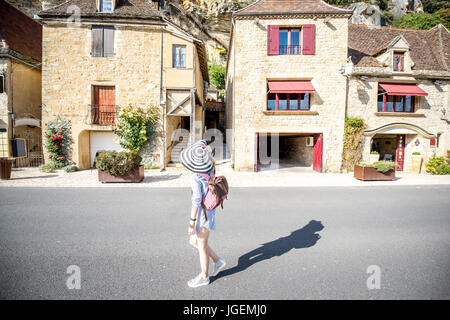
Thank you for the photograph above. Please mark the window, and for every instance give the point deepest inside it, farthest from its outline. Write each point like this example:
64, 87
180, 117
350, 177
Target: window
289, 41
102, 41
4, 147
288, 101
389, 103
104, 109
2, 83
179, 56
106, 6
399, 61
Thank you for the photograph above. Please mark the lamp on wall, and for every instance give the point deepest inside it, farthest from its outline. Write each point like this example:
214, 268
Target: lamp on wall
256, 21
327, 19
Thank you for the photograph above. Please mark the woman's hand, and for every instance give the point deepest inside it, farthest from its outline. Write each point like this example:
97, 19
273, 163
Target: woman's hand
191, 231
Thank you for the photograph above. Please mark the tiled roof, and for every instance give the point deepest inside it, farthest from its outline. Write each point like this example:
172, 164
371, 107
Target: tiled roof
429, 49
290, 7
21, 33
136, 9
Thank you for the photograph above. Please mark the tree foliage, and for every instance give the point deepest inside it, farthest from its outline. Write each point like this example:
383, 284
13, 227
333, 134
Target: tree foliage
217, 75
422, 21
431, 6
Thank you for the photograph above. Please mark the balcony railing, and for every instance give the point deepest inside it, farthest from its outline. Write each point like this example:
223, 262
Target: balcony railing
289, 50
103, 114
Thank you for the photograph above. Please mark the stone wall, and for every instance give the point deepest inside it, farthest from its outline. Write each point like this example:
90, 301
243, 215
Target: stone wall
254, 67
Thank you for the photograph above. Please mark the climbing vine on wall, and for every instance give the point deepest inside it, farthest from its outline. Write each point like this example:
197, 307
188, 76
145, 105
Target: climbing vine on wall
353, 133
58, 142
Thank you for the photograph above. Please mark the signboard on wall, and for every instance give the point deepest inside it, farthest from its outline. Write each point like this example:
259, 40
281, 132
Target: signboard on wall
19, 148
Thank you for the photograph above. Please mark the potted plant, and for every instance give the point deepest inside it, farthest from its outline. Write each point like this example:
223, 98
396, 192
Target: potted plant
374, 157
380, 170
135, 126
416, 159
124, 166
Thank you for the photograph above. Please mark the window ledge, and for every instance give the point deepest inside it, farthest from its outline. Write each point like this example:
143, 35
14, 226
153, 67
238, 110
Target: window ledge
289, 112
400, 114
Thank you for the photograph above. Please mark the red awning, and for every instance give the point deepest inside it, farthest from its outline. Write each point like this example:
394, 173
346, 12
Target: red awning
291, 87
401, 89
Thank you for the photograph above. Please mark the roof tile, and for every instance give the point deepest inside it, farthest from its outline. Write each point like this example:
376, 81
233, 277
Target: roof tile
21, 33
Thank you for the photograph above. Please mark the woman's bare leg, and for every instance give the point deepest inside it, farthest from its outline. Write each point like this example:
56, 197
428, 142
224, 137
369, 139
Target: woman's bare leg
202, 246
193, 241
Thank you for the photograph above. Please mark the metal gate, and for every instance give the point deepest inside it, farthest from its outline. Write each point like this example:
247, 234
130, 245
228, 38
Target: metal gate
35, 156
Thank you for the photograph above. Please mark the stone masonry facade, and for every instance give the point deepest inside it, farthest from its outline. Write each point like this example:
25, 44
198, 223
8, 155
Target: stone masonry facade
254, 67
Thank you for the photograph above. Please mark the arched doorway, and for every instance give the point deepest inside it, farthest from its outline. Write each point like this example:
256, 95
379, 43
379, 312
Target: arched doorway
391, 141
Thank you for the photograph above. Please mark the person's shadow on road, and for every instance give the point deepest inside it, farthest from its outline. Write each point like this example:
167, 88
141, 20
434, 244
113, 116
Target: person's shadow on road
302, 238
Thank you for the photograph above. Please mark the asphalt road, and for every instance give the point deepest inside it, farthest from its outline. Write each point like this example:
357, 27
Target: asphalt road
280, 243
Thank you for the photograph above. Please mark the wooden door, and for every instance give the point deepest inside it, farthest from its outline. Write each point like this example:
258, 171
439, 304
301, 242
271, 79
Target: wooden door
104, 109
317, 153
400, 152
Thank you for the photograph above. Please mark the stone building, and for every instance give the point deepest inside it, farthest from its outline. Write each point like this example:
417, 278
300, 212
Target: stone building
399, 83
297, 69
284, 79
20, 85
101, 55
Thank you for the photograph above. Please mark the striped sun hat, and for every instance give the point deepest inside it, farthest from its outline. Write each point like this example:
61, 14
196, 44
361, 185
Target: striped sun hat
196, 157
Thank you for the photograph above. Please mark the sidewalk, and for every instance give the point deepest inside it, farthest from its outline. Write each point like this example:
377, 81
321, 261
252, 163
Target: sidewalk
179, 177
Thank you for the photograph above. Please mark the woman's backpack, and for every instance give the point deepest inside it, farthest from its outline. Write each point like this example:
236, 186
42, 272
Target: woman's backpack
217, 192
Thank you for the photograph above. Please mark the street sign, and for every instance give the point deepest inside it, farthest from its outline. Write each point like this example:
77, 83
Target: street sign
19, 148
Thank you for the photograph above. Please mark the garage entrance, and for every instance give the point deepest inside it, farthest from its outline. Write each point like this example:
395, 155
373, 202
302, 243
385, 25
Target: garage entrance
102, 141
296, 150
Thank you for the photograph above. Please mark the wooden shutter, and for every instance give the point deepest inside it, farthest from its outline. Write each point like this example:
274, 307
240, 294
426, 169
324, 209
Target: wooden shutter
108, 41
104, 111
309, 39
273, 36
97, 41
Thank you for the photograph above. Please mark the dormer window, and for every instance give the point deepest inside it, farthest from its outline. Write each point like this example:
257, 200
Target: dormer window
106, 6
399, 61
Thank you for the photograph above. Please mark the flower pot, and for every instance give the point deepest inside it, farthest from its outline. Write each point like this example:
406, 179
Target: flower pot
135, 175
372, 174
416, 163
374, 158
6, 168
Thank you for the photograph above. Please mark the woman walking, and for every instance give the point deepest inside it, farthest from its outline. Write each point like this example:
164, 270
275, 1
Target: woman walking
198, 159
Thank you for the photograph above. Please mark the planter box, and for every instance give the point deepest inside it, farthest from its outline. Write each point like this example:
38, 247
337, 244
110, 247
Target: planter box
6, 168
135, 175
372, 174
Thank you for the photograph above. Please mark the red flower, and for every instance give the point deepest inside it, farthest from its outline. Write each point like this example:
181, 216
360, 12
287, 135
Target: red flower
62, 158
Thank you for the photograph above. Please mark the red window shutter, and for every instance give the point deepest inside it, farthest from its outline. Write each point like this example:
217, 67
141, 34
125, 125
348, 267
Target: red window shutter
273, 45
309, 39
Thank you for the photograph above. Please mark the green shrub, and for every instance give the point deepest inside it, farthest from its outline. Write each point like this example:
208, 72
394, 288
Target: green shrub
437, 165
70, 168
117, 163
136, 126
374, 152
381, 166
49, 167
416, 153
384, 166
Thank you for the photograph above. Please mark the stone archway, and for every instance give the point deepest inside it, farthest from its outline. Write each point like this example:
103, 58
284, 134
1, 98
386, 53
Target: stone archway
399, 128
